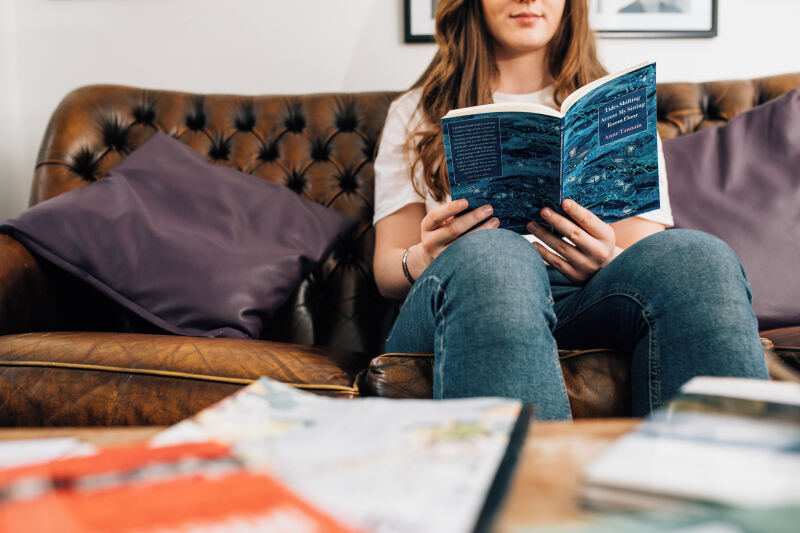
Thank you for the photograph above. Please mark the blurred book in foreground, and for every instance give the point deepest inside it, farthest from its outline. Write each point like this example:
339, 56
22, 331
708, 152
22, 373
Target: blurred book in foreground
695, 519
137, 488
722, 441
382, 465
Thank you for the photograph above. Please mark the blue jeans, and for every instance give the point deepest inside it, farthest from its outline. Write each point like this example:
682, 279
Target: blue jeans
492, 312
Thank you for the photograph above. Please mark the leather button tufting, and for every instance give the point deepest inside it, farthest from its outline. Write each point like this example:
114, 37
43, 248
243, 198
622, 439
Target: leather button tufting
246, 118
320, 150
295, 120
347, 181
296, 181
196, 118
84, 163
370, 148
115, 133
220, 149
347, 120
268, 152
144, 115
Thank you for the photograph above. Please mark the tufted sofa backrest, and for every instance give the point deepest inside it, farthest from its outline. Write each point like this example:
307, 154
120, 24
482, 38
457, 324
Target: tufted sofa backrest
322, 146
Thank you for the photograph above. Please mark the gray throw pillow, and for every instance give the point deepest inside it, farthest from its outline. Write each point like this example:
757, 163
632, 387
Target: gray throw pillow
193, 247
741, 182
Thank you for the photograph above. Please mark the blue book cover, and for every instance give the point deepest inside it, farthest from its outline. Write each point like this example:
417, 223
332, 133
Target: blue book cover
600, 150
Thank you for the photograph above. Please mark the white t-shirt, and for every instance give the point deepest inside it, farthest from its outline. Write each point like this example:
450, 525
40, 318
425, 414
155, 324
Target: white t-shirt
393, 188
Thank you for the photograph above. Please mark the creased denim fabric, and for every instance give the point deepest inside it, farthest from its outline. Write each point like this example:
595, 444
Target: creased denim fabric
492, 313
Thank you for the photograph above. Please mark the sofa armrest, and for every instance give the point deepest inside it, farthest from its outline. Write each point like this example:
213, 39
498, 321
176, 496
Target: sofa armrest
22, 288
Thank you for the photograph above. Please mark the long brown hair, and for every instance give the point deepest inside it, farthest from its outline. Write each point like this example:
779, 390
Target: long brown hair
461, 74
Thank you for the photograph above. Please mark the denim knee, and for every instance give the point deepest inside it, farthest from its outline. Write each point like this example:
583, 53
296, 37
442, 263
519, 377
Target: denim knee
497, 266
689, 261
494, 257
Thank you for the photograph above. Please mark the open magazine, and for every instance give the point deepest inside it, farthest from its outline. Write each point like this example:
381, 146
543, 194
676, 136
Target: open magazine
723, 441
188, 488
381, 465
600, 150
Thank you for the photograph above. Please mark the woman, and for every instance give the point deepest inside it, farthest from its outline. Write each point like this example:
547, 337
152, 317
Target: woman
482, 299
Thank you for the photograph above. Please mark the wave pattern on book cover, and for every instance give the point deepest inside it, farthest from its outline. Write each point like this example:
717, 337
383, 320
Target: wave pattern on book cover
530, 159
619, 177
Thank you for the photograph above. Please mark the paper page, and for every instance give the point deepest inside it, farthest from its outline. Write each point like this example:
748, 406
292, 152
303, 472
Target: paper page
15, 453
747, 389
388, 466
732, 460
509, 107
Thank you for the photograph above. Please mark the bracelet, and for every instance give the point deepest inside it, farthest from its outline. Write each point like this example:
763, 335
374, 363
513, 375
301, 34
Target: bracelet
408, 275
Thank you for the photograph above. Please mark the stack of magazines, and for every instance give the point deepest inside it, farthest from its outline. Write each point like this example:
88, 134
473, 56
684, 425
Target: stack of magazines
274, 458
726, 442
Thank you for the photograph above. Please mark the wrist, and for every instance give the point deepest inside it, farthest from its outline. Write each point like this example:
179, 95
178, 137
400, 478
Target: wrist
412, 263
404, 264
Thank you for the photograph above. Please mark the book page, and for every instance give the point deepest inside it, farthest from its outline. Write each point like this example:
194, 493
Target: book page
407, 465
510, 107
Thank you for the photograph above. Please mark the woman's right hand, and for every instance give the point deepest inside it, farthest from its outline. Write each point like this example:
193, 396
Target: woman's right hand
423, 236
440, 226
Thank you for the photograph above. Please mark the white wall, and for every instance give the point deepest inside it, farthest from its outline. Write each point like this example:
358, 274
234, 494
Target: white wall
48, 47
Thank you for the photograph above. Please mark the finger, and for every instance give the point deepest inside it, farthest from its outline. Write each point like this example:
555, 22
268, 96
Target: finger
570, 253
587, 220
591, 245
570, 272
440, 215
492, 223
462, 224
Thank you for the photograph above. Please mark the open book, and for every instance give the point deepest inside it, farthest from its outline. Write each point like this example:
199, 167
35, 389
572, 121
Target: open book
600, 150
381, 465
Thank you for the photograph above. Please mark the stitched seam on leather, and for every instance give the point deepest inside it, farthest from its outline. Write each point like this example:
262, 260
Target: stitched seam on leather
167, 373
401, 354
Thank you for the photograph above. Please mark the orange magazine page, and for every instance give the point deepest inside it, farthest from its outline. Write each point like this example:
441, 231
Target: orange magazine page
191, 487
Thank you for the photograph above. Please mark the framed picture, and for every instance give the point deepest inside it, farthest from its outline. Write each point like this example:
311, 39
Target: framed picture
654, 18
419, 21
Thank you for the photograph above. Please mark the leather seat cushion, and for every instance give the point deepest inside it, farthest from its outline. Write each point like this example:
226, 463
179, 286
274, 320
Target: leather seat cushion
598, 380
89, 379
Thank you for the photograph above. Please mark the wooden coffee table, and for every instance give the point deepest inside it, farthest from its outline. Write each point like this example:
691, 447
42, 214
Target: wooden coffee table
544, 490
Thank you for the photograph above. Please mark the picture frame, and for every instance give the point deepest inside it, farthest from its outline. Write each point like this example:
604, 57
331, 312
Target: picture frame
641, 19
653, 18
419, 20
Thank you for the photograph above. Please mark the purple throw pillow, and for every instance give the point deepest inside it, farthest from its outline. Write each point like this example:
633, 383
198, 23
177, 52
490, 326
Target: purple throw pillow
193, 247
741, 182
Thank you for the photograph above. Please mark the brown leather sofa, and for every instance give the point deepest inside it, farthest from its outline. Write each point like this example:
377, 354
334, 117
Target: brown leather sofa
69, 356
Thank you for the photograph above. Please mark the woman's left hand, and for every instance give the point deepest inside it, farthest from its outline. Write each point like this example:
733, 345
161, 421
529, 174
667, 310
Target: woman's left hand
592, 242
